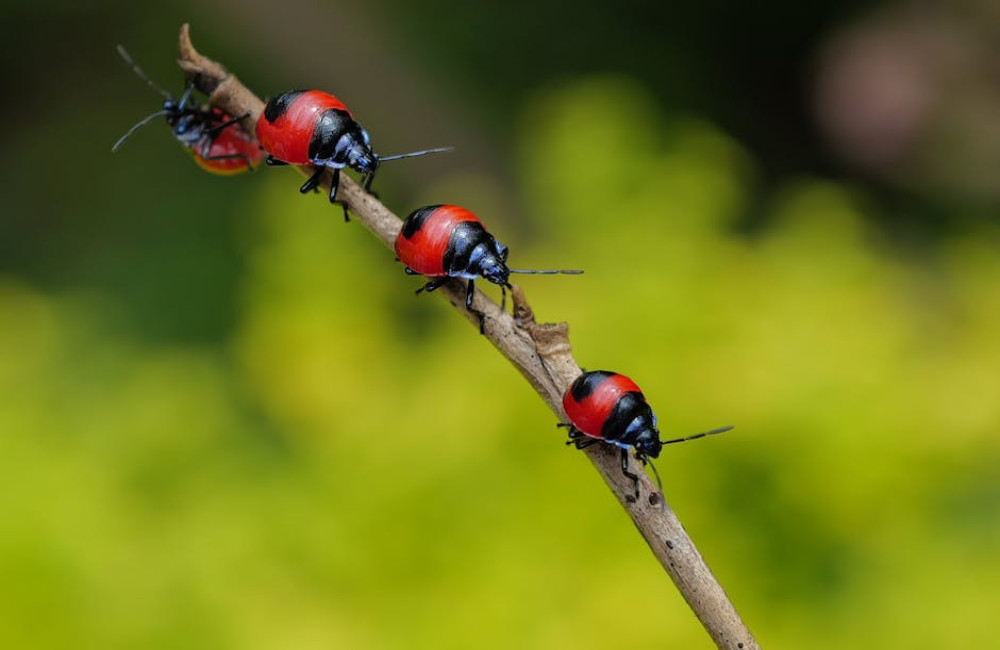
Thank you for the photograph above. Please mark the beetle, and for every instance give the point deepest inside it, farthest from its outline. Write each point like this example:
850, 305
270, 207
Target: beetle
448, 241
604, 406
209, 133
311, 127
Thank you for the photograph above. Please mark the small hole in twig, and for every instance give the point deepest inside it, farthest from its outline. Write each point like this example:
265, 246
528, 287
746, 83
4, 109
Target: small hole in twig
655, 499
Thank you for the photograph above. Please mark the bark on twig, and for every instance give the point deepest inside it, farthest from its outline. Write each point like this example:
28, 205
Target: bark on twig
543, 355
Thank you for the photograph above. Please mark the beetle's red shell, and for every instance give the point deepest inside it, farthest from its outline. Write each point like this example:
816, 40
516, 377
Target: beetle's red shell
588, 412
423, 241
287, 137
231, 141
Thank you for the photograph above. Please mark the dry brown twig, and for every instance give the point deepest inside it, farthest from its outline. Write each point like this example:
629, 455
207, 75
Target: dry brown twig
543, 355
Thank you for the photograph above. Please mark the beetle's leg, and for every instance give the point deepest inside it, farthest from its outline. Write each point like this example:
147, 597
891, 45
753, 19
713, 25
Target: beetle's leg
470, 293
630, 475
313, 181
433, 284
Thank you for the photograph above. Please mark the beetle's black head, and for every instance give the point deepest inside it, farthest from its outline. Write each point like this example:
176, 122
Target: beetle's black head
187, 125
645, 436
492, 264
360, 156
172, 111
181, 107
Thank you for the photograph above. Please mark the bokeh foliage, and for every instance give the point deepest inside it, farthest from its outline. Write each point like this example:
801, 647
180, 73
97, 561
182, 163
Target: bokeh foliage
352, 466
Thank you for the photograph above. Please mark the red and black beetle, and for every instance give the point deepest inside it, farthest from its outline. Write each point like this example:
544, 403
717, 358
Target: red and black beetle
448, 241
311, 127
605, 406
204, 130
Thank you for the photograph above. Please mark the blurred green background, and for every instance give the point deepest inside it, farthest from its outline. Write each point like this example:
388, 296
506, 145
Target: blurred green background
226, 422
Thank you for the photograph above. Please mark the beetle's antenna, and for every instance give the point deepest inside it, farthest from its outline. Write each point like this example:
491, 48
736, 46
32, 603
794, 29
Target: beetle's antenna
697, 435
142, 75
645, 460
412, 154
141, 123
547, 271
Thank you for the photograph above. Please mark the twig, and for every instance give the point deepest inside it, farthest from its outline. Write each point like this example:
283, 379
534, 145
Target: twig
543, 355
